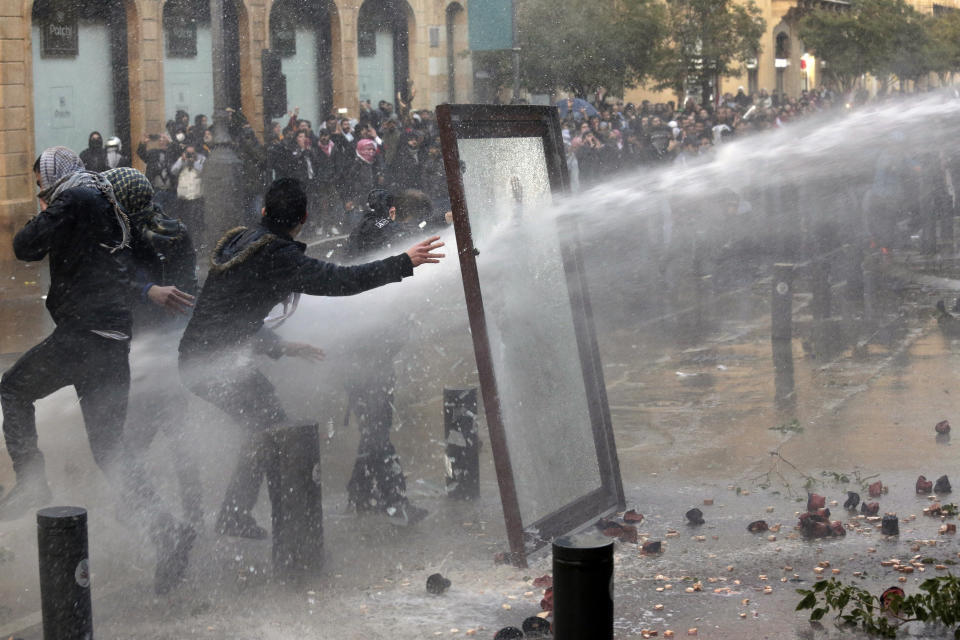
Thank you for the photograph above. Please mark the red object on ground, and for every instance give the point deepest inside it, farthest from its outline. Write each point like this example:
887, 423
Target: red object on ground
651, 547
815, 502
628, 533
870, 508
837, 529
942, 427
543, 582
887, 596
547, 602
924, 485
632, 516
876, 489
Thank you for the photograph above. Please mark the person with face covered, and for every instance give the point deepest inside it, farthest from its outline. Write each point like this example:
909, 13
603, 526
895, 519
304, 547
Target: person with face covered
164, 277
377, 484
114, 155
407, 165
94, 157
329, 163
86, 235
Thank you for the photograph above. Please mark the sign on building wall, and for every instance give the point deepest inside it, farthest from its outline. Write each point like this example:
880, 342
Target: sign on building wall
490, 23
61, 111
283, 35
58, 32
181, 32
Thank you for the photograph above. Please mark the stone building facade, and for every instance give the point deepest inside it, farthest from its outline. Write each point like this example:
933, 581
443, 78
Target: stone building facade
783, 64
124, 67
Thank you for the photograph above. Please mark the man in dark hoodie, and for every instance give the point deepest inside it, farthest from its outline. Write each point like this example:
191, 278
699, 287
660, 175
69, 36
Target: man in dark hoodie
377, 484
94, 157
253, 270
86, 235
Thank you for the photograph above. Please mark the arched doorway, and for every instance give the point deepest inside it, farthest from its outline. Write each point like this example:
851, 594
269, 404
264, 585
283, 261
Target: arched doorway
458, 66
80, 72
300, 32
781, 60
383, 50
188, 57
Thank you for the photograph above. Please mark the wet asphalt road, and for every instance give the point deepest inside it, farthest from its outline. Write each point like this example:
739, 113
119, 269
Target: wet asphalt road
693, 422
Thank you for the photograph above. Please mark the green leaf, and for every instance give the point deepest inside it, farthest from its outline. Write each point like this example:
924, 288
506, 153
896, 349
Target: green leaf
817, 614
808, 602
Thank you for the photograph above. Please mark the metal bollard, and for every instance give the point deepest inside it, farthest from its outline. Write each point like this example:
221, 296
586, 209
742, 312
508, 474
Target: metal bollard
820, 286
293, 482
582, 588
463, 443
781, 334
852, 262
64, 573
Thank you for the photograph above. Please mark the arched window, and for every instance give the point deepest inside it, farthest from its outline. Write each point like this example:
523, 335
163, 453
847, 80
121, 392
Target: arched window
783, 45
383, 37
188, 57
80, 72
300, 31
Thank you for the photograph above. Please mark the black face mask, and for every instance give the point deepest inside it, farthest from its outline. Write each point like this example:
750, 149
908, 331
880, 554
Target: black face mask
96, 143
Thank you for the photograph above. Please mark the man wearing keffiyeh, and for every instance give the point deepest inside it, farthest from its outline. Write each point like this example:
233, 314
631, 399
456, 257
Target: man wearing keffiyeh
86, 235
164, 275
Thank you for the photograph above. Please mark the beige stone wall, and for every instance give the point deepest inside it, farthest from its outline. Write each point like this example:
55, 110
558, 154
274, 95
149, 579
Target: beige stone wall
16, 122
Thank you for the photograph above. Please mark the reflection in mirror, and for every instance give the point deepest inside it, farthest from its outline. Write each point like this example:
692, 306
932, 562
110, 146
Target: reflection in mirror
530, 323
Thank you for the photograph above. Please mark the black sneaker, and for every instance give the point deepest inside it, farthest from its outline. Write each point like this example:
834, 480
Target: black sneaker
240, 526
24, 497
173, 555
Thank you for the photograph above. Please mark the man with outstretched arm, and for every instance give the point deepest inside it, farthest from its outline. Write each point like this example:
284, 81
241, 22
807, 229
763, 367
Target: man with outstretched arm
86, 235
253, 270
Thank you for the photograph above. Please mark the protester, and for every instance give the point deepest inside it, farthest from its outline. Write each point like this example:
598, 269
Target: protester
164, 275
94, 157
377, 483
254, 269
188, 170
114, 156
86, 235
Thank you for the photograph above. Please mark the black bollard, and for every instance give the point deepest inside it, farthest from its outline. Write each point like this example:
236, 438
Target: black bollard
820, 285
64, 573
890, 525
293, 481
871, 288
781, 334
582, 588
463, 443
852, 266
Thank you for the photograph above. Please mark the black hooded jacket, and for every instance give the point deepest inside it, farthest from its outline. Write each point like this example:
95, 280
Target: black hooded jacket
89, 286
255, 269
94, 157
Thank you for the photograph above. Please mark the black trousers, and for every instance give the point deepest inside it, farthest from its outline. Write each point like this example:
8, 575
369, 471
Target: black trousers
377, 482
249, 398
158, 403
99, 369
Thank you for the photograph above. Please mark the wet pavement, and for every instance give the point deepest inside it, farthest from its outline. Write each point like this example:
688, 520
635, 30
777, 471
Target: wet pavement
695, 423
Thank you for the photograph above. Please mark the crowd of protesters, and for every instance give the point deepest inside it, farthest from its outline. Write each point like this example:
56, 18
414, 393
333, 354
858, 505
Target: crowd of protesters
340, 159
607, 135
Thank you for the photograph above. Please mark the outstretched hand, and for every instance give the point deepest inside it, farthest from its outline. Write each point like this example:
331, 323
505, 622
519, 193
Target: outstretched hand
421, 252
170, 298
